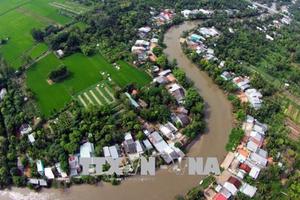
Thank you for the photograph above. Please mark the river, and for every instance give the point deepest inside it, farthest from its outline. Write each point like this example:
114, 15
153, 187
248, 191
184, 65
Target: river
165, 185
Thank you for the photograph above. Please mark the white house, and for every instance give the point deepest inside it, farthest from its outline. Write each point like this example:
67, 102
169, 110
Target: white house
49, 173
87, 150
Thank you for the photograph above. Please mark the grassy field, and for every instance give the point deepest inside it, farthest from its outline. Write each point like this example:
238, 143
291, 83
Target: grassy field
292, 110
18, 18
85, 72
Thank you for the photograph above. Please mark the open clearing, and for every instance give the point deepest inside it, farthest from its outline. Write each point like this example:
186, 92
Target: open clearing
84, 73
19, 17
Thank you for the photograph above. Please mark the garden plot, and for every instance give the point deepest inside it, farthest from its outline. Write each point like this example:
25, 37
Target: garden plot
97, 95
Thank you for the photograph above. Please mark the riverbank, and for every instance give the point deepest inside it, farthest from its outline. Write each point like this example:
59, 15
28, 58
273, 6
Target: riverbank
166, 184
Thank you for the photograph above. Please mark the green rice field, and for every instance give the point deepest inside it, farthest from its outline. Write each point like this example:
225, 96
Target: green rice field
23, 16
84, 72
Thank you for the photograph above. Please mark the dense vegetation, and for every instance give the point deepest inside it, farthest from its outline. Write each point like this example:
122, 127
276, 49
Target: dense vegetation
59, 74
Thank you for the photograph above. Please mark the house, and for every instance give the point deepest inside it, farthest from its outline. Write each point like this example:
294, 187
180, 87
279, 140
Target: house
139, 147
257, 138
232, 185
43, 183
269, 37
177, 92
106, 152
219, 196
260, 128
252, 146
143, 31
241, 82
114, 151
49, 173
132, 101
244, 167
171, 78
87, 150
74, 165
258, 159
242, 155
196, 38
168, 130
3, 92
165, 72
254, 172
147, 144
142, 43
25, 129
248, 190
154, 40
31, 138
60, 53
182, 110
40, 182
182, 119
129, 144
33, 181
162, 80
254, 98
40, 167
226, 76
137, 49
60, 171
208, 32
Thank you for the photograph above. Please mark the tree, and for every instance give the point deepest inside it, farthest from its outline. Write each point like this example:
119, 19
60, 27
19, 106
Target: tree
37, 34
162, 61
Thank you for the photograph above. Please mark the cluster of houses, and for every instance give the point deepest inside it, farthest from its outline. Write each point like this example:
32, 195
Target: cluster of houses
196, 41
192, 13
148, 38
247, 94
248, 159
164, 17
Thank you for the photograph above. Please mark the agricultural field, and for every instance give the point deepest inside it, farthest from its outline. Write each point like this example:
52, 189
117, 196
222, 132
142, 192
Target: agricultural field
23, 16
84, 73
292, 110
99, 95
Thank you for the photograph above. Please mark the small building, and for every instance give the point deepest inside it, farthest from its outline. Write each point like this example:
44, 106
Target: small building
227, 76
209, 32
132, 101
74, 165
252, 146
40, 167
147, 144
3, 92
232, 185
139, 147
25, 129
60, 171
106, 152
254, 172
87, 150
31, 138
258, 159
60, 53
248, 190
114, 151
129, 144
49, 173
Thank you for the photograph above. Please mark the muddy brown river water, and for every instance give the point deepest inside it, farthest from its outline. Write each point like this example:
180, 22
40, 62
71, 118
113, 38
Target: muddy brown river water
165, 185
